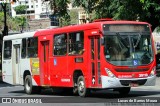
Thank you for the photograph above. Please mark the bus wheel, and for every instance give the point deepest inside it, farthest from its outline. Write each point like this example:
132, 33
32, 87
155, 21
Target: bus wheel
124, 91
28, 87
82, 90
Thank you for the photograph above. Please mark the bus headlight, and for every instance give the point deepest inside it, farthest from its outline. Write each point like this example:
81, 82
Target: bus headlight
153, 72
110, 74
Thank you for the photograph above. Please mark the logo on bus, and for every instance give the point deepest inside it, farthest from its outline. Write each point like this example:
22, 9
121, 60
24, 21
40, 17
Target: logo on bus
135, 62
55, 62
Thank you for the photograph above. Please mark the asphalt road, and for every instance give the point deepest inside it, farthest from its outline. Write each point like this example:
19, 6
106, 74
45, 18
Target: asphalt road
100, 98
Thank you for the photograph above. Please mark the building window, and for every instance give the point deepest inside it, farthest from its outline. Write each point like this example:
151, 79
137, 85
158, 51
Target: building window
7, 49
32, 47
60, 44
31, 6
36, 6
76, 43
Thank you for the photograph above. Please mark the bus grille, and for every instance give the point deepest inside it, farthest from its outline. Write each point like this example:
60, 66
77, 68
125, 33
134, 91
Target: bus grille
132, 70
127, 82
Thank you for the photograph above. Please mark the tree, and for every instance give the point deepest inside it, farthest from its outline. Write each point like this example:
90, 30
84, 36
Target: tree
5, 30
21, 21
21, 9
60, 10
143, 10
74, 16
12, 24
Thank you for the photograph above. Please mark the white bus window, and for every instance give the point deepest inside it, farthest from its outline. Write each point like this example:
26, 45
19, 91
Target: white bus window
32, 47
7, 49
23, 52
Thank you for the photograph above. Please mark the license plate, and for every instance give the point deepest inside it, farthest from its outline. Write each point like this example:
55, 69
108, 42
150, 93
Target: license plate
133, 84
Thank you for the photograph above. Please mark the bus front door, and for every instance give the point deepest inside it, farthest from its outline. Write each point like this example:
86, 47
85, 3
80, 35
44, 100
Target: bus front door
16, 64
44, 64
94, 55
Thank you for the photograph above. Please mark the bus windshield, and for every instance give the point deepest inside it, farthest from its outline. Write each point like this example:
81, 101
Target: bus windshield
128, 48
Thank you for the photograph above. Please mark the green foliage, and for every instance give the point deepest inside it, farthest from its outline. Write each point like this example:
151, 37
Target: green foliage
60, 9
13, 23
88, 5
74, 16
65, 20
142, 10
21, 9
1, 20
21, 22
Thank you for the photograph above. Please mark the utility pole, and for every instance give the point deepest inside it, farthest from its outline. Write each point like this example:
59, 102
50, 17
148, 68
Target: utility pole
5, 30
26, 16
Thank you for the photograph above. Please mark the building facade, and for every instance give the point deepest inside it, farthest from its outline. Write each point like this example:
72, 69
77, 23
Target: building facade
36, 9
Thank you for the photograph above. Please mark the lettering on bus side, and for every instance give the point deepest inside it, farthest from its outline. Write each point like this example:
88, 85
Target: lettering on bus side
65, 80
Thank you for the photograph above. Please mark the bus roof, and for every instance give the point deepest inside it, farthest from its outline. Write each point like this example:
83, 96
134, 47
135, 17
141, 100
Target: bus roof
88, 26
19, 36
72, 28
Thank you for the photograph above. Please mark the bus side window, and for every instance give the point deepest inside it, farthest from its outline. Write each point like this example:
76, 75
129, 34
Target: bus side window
76, 43
32, 47
7, 49
60, 44
23, 52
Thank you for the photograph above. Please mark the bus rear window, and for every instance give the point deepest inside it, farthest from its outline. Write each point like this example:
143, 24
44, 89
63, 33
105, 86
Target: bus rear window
7, 49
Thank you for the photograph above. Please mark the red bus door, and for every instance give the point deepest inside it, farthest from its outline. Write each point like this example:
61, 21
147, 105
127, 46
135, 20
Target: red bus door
44, 75
95, 60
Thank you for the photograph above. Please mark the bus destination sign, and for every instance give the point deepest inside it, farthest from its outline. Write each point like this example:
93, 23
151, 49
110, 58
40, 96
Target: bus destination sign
126, 27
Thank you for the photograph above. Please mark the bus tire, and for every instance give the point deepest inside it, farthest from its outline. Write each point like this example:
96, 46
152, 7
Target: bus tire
82, 90
124, 91
28, 87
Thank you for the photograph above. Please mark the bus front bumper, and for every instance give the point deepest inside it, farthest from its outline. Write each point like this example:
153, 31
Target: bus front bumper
108, 82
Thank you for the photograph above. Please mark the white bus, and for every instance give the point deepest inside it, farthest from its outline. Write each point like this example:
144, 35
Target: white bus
15, 50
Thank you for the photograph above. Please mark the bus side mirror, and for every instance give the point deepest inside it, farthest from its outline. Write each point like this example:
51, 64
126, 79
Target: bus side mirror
102, 41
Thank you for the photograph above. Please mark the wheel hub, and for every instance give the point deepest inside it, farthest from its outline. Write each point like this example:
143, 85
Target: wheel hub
81, 86
28, 85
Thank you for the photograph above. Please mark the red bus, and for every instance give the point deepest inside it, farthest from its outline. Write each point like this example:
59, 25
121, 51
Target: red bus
114, 55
